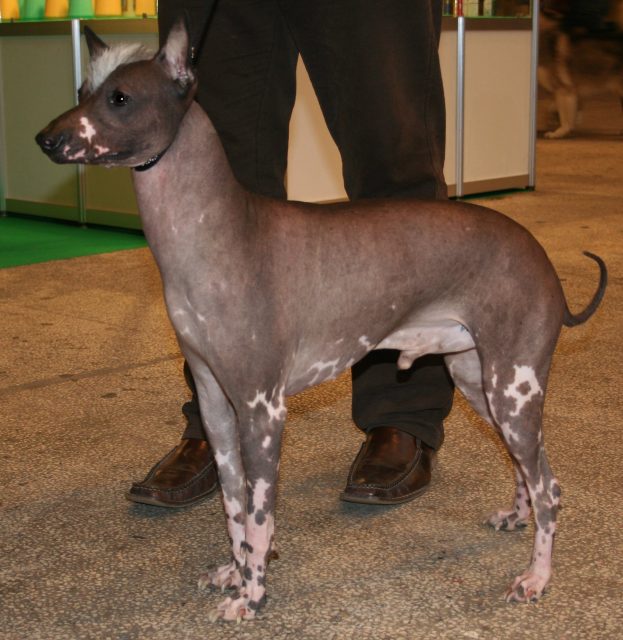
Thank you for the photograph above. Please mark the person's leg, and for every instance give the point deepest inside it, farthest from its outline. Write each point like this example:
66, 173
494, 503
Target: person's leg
187, 474
375, 68
247, 83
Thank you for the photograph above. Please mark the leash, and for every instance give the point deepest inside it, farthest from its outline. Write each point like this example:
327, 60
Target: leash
198, 26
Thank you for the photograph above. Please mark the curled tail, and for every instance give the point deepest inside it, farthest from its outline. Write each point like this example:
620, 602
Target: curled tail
571, 319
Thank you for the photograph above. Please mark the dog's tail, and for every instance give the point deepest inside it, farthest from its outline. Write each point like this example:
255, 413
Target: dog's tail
573, 319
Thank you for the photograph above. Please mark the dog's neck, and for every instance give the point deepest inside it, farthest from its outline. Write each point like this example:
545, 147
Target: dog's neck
191, 187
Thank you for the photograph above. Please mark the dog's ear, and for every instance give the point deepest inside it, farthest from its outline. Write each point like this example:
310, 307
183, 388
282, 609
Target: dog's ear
94, 43
175, 55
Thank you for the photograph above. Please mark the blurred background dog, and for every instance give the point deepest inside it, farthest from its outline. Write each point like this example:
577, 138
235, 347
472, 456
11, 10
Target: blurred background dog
580, 58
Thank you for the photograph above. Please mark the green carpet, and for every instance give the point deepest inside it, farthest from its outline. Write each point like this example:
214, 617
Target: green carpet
27, 241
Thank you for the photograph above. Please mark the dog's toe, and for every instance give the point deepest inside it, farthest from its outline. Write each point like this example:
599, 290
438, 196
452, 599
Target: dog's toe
234, 610
224, 577
505, 521
527, 588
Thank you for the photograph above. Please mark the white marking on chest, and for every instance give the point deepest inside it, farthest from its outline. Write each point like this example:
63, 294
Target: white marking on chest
88, 129
324, 371
523, 388
275, 407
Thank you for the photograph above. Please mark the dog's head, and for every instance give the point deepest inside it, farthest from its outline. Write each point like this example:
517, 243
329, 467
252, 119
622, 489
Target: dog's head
130, 105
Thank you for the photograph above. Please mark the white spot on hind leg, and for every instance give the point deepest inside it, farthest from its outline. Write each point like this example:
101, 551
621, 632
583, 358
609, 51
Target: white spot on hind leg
523, 388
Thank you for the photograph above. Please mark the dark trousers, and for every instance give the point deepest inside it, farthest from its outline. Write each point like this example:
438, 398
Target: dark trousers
374, 66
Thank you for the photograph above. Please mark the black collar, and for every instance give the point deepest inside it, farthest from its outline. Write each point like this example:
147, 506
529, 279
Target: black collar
151, 162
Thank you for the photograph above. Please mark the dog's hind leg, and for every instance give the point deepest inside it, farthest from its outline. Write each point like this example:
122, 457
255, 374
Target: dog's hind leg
261, 418
512, 401
517, 516
466, 372
516, 396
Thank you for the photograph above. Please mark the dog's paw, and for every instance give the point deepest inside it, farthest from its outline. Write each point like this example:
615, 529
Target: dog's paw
236, 609
224, 577
528, 587
506, 521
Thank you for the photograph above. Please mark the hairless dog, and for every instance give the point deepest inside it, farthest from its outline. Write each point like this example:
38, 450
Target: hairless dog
270, 297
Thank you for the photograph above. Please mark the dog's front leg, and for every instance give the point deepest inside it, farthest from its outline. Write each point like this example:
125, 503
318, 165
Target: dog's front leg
261, 426
221, 424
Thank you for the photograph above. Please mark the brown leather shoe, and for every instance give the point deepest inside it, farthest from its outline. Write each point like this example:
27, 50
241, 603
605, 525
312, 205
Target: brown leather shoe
186, 475
391, 467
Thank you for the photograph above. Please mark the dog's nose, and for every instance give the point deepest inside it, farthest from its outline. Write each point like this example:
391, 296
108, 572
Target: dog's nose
48, 142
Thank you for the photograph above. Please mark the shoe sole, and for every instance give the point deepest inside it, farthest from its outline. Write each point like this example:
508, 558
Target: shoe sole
154, 502
376, 500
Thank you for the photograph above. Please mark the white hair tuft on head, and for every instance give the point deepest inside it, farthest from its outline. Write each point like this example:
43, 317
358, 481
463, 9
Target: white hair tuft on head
100, 67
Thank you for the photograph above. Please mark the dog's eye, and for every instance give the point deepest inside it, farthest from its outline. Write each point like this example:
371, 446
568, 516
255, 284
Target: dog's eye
119, 99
